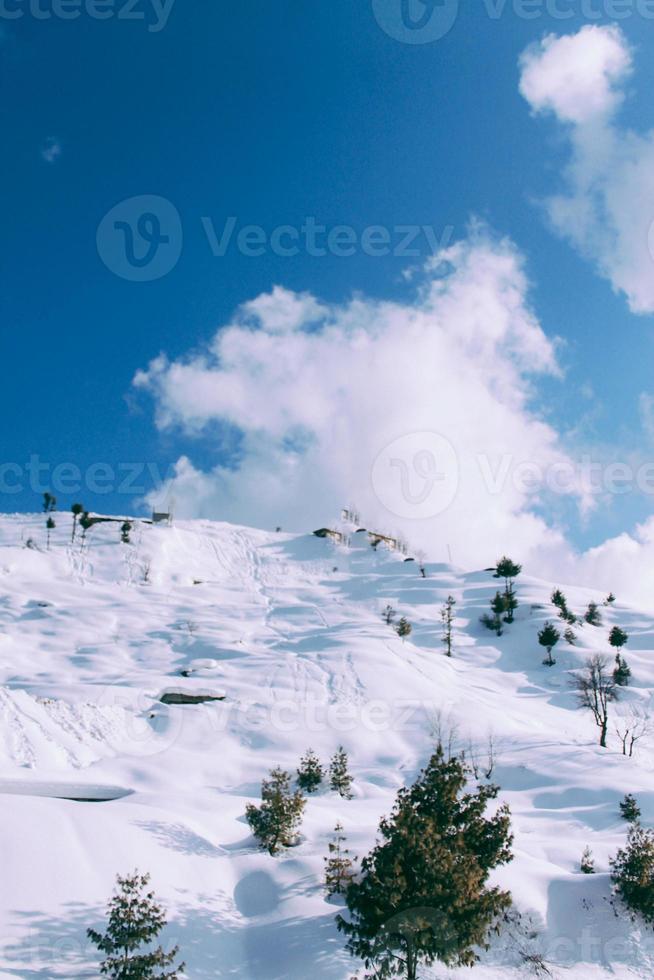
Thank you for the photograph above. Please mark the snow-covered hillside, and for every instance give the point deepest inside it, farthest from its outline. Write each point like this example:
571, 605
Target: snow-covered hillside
288, 631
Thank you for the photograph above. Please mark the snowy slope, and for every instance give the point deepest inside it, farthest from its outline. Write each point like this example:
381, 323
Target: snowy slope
288, 628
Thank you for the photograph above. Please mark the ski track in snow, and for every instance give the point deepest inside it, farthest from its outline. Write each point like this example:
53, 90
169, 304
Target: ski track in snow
290, 627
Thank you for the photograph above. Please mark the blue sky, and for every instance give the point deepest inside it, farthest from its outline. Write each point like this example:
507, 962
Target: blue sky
272, 112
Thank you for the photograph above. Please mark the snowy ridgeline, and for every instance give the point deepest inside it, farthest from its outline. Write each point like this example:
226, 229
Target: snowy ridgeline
148, 687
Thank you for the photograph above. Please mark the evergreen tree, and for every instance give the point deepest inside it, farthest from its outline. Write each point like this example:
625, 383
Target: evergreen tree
404, 628
592, 615
610, 599
50, 526
570, 636
629, 809
447, 616
587, 864
621, 671
494, 622
422, 894
339, 865
560, 601
49, 503
388, 615
76, 510
125, 528
632, 872
276, 822
509, 571
135, 919
618, 638
340, 779
310, 773
548, 637
85, 523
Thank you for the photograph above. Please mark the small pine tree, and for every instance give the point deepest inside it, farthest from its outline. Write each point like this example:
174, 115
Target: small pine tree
629, 809
632, 872
621, 671
340, 779
422, 893
548, 637
559, 600
404, 628
50, 526
125, 528
587, 864
135, 919
592, 615
339, 865
388, 615
494, 622
76, 510
610, 599
570, 636
276, 822
618, 638
85, 523
447, 616
509, 571
49, 503
310, 773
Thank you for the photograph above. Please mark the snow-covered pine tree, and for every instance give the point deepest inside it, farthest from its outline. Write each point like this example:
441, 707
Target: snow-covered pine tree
509, 571
587, 863
548, 637
338, 865
388, 615
404, 628
632, 872
629, 809
340, 779
498, 607
135, 919
592, 615
276, 822
125, 529
310, 773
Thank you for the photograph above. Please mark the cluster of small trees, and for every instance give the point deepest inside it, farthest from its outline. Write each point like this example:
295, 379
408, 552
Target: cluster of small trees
503, 604
402, 627
277, 820
80, 516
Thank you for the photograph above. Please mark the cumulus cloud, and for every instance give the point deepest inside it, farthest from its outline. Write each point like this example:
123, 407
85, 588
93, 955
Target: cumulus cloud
320, 392
607, 207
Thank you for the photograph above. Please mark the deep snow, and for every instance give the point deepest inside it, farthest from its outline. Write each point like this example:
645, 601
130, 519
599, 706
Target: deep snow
289, 629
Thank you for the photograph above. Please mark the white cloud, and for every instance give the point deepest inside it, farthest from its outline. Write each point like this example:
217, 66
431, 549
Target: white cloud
607, 208
317, 400
577, 76
51, 150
